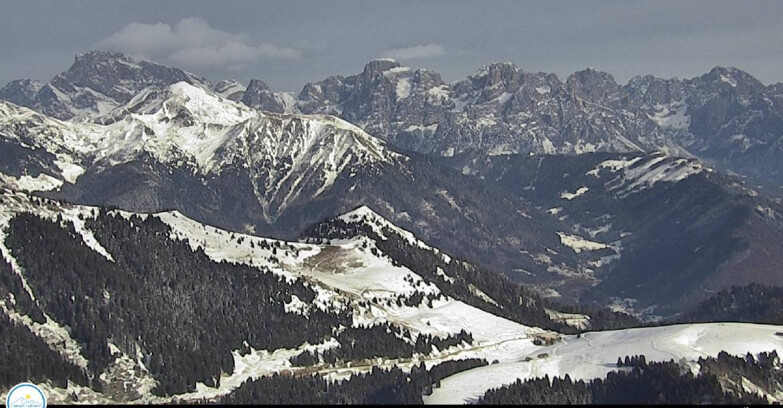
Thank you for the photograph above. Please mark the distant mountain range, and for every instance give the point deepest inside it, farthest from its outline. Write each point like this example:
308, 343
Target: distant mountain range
598, 226
726, 117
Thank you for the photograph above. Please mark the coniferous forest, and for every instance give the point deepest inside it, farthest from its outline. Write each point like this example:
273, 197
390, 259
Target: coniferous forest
303, 210
641, 383
159, 299
754, 303
379, 386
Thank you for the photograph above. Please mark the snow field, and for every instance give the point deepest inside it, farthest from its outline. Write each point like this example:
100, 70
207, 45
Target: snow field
595, 354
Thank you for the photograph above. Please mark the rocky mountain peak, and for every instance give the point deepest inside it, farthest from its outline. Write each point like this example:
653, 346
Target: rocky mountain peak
378, 66
489, 82
21, 91
259, 95
119, 76
495, 67
640, 80
97, 70
96, 83
94, 56
725, 114
593, 83
426, 75
496, 73
259, 85
650, 91
733, 78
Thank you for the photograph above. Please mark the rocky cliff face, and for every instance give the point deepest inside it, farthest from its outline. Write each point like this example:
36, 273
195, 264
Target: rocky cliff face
95, 84
258, 95
230, 89
498, 109
726, 116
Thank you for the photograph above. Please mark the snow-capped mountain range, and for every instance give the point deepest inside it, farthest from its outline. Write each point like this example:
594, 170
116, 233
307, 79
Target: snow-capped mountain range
229, 165
220, 155
187, 126
95, 84
725, 117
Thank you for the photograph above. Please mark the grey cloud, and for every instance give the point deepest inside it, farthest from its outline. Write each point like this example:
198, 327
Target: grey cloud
192, 42
416, 52
296, 41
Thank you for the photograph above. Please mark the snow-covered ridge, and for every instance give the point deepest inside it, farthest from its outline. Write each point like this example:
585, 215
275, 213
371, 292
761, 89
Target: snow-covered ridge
344, 273
347, 273
240, 248
16, 203
213, 131
69, 142
187, 125
41, 182
613, 165
96, 83
351, 274
654, 170
367, 216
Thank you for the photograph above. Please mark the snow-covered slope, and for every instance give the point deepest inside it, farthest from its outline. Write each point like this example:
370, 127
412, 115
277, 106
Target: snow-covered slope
366, 216
356, 273
725, 116
355, 276
188, 148
642, 173
186, 126
185, 147
350, 275
593, 355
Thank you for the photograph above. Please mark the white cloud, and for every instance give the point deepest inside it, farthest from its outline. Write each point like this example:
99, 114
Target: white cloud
193, 42
416, 52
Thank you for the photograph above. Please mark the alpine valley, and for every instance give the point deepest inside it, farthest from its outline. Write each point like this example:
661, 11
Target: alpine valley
388, 237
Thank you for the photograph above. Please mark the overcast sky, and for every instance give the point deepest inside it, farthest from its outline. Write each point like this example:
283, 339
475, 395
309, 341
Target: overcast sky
289, 43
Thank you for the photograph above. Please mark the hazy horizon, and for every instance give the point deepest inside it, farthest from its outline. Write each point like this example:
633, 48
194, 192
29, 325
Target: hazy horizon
289, 44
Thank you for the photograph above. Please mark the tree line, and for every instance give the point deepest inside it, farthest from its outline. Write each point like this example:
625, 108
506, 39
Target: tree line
514, 301
378, 386
640, 382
